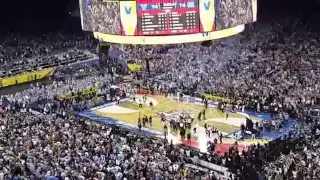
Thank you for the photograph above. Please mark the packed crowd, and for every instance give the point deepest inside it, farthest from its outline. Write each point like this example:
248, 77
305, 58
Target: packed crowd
280, 72
284, 65
101, 16
49, 144
232, 13
300, 153
59, 89
78, 149
22, 54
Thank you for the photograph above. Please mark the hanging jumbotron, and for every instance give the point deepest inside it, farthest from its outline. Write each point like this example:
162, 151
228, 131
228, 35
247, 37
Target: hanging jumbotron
165, 21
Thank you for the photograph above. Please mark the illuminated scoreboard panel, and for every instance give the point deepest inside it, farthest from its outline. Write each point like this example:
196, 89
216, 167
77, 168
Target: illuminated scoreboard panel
163, 18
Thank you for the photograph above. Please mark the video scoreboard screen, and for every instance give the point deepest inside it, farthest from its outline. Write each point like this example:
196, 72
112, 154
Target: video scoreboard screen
161, 17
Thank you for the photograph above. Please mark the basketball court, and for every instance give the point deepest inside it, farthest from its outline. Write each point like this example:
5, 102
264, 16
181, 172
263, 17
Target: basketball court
127, 112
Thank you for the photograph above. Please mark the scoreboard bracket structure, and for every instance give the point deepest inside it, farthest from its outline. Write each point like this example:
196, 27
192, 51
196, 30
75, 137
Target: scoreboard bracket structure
168, 39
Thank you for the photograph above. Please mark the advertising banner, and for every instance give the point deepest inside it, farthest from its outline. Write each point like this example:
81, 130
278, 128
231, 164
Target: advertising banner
128, 13
254, 10
207, 15
169, 39
26, 77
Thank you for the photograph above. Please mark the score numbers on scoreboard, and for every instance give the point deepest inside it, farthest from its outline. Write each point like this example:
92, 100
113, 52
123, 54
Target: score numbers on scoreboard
165, 18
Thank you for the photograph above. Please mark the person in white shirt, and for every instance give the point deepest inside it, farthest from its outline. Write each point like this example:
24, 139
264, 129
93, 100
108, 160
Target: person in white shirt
253, 136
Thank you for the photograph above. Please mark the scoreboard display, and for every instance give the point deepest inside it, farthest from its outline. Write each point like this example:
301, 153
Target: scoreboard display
166, 17
165, 21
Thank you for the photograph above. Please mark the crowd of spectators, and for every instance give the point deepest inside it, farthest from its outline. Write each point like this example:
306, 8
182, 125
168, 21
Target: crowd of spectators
81, 149
299, 157
19, 54
284, 65
101, 16
54, 143
232, 13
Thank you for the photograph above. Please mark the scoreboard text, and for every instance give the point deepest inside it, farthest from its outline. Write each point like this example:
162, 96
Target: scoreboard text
167, 17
